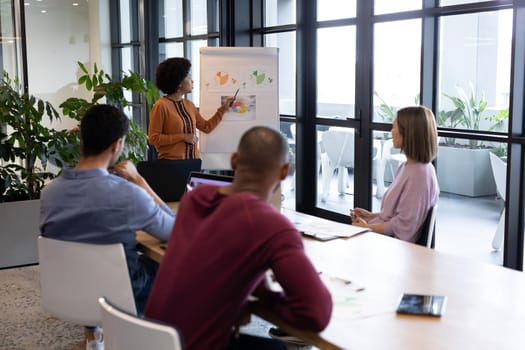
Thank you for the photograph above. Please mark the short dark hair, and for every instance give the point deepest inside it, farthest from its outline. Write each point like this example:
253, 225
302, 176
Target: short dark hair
170, 74
100, 127
417, 125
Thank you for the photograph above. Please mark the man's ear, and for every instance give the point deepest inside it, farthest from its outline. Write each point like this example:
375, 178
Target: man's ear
117, 145
233, 160
284, 171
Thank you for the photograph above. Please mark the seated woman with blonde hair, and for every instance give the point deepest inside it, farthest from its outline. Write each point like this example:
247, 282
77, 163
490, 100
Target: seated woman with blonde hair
414, 189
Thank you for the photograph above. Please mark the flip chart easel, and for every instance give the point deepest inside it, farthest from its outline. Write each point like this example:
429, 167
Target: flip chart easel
223, 70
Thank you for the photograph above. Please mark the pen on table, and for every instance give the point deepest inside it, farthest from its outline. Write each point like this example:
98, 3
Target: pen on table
234, 96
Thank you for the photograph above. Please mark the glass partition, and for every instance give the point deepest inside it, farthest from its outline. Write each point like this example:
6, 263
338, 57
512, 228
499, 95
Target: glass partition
474, 79
279, 12
389, 6
335, 168
397, 67
336, 72
335, 9
286, 43
171, 23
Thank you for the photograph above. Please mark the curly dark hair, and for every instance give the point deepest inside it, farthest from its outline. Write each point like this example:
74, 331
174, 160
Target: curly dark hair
170, 73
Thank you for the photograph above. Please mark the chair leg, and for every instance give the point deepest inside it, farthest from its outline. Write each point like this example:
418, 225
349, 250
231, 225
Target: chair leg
497, 241
341, 179
326, 175
380, 178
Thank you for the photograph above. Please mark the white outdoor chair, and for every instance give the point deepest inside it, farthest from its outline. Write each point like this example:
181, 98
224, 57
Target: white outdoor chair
338, 145
499, 171
391, 158
74, 275
124, 331
319, 151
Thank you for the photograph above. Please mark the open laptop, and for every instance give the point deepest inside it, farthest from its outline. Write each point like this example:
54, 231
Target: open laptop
168, 177
197, 178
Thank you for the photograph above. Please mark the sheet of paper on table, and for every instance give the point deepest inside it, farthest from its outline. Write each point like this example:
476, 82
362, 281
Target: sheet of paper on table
308, 223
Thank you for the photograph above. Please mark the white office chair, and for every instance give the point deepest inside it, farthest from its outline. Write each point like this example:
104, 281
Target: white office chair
74, 275
123, 331
427, 237
390, 158
319, 151
338, 145
499, 171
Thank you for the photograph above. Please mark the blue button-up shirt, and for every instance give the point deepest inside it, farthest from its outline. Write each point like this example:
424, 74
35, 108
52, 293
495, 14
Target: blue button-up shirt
94, 206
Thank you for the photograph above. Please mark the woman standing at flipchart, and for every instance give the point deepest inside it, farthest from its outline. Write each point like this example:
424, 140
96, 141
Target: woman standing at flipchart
174, 120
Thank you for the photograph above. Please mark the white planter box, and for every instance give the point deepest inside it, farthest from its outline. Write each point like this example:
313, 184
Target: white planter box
465, 171
18, 233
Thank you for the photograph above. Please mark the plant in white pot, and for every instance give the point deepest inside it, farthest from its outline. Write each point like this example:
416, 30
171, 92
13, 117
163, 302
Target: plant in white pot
464, 168
26, 144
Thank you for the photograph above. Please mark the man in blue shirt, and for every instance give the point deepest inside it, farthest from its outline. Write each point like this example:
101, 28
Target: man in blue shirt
102, 202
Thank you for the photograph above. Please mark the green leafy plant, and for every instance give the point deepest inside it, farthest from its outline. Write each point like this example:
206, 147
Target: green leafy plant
26, 144
103, 87
467, 112
498, 119
386, 112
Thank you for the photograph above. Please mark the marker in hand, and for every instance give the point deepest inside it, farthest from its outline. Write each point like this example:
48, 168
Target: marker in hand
234, 96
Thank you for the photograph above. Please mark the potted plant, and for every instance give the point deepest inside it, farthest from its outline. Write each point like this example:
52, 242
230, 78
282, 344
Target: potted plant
25, 147
103, 87
472, 178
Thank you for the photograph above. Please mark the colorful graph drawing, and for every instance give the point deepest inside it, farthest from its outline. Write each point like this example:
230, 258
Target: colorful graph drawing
261, 77
218, 80
222, 78
243, 108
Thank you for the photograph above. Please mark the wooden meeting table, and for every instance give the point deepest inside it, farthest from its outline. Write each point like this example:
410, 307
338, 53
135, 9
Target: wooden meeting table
367, 275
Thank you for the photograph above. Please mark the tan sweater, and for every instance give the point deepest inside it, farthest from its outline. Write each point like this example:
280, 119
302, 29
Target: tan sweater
171, 120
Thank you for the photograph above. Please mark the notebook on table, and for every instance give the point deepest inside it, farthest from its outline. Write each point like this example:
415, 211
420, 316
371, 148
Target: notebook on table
321, 229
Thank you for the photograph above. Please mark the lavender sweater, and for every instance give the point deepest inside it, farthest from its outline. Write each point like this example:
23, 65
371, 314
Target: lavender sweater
406, 202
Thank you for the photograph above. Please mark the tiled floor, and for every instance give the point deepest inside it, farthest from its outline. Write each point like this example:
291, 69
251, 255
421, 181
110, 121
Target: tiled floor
465, 226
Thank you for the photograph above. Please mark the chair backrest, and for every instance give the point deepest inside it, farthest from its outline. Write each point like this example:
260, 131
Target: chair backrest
168, 177
499, 171
74, 275
123, 331
339, 146
427, 236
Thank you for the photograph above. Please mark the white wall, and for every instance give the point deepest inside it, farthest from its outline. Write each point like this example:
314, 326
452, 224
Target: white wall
60, 37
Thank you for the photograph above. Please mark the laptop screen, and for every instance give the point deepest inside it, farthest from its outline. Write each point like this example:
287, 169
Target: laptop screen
197, 178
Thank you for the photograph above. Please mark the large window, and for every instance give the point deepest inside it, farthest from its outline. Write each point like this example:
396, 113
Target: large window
183, 29
474, 79
336, 73
346, 67
397, 67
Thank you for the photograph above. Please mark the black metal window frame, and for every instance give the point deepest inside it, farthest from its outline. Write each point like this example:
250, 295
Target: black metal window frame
242, 24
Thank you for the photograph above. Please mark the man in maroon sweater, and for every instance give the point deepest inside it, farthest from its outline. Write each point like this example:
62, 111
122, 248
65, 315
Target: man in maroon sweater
223, 242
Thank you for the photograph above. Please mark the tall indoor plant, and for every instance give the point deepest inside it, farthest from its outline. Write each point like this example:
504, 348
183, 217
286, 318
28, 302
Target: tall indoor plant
26, 144
105, 89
